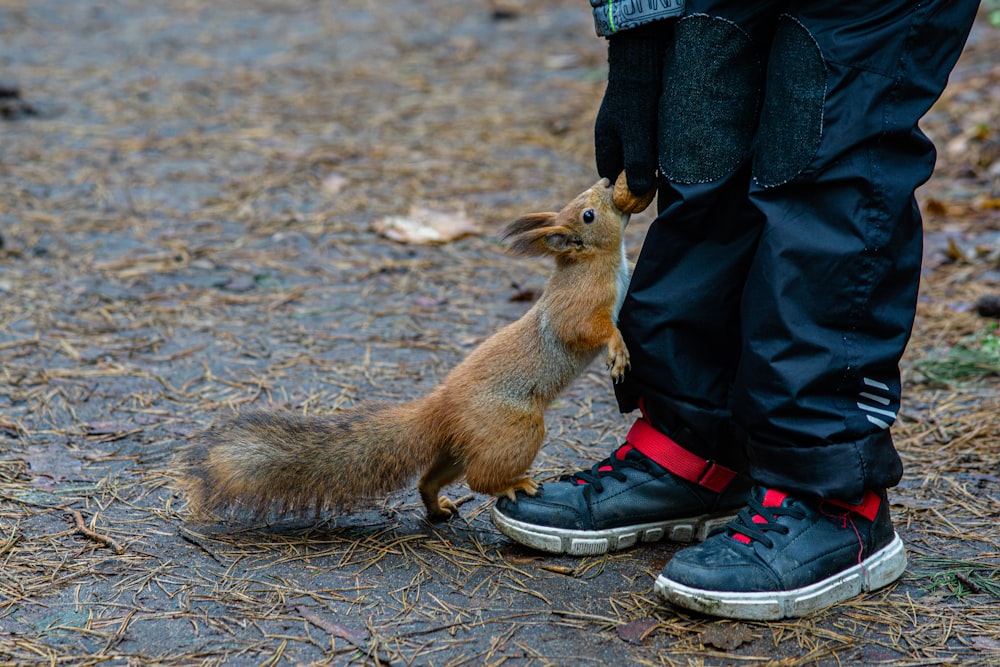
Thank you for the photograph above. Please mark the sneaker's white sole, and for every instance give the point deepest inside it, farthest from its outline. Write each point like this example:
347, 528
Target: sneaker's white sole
596, 542
878, 570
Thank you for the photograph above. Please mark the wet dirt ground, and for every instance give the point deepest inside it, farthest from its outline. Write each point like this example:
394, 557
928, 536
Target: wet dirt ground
187, 194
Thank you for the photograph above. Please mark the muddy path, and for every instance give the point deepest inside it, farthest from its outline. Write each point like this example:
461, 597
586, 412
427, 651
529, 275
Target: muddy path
187, 194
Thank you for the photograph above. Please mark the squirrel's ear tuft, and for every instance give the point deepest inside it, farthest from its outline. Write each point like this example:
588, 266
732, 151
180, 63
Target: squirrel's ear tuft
544, 241
525, 236
526, 223
527, 242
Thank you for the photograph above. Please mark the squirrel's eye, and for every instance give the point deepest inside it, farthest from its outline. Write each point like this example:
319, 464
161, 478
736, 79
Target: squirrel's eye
589, 216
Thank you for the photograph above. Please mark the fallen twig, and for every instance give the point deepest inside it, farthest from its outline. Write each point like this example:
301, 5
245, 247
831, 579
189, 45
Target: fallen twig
188, 536
81, 529
331, 628
351, 636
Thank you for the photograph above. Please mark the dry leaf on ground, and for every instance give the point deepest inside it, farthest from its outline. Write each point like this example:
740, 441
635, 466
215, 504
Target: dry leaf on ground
423, 225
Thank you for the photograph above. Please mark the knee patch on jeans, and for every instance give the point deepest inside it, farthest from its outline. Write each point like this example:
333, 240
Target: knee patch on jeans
791, 120
711, 93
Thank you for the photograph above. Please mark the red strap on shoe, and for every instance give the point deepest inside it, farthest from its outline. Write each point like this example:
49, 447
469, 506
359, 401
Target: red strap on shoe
686, 465
868, 507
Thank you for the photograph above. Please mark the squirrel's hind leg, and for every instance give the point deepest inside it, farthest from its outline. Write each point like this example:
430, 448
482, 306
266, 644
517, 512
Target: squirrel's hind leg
443, 471
498, 466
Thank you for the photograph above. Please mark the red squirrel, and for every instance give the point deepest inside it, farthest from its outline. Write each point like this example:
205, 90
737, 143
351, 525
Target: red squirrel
484, 421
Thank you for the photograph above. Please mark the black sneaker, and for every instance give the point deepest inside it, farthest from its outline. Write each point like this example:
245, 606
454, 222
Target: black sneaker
785, 557
624, 499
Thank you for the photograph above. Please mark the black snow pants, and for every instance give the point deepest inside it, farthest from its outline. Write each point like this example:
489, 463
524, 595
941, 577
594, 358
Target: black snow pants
776, 290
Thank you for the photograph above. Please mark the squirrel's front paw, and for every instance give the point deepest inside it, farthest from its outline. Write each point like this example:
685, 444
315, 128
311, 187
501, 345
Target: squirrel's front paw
618, 358
527, 485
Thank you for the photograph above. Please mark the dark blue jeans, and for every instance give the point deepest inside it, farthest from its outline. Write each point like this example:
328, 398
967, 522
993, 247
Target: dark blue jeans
776, 290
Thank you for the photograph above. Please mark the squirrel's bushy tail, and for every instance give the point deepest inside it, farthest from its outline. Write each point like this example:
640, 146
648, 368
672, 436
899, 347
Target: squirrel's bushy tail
262, 461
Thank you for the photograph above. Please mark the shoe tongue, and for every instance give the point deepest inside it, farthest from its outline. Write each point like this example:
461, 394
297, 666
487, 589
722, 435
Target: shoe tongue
774, 498
619, 455
626, 451
623, 451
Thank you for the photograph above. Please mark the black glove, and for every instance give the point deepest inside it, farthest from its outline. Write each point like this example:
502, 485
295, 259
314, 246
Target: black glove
625, 132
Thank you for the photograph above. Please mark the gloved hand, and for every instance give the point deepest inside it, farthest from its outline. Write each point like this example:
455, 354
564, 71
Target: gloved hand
625, 132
